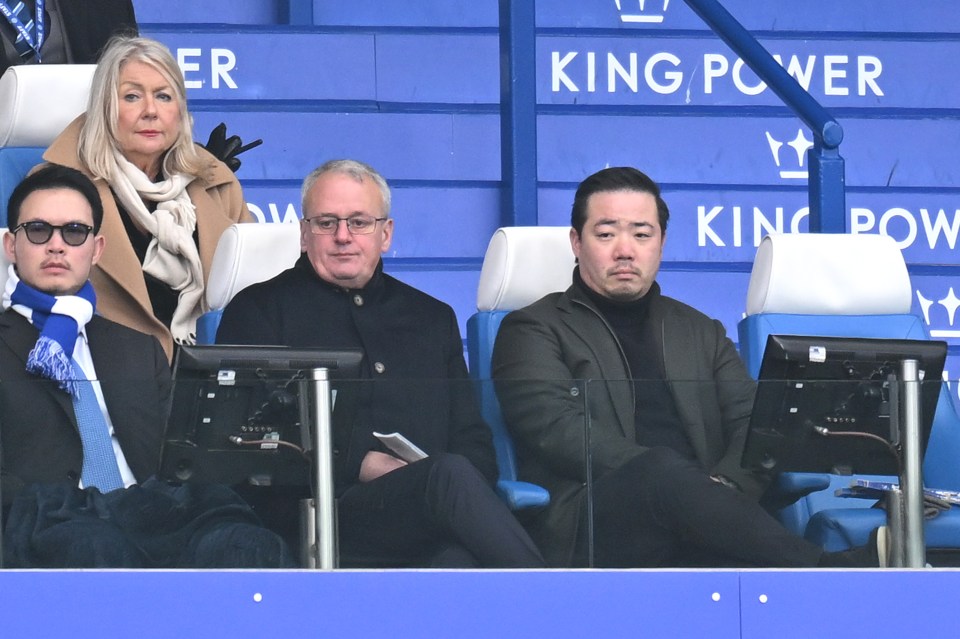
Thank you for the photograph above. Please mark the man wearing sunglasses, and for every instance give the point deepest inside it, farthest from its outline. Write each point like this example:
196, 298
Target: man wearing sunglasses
440, 511
83, 405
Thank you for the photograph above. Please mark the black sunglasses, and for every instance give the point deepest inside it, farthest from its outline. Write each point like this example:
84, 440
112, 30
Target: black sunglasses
40, 232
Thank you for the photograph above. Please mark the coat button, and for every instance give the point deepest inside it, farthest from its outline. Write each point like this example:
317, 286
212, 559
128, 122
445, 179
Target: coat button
379, 367
336, 451
358, 300
73, 475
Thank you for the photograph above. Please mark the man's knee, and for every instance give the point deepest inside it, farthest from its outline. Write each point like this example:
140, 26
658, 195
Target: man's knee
452, 467
454, 477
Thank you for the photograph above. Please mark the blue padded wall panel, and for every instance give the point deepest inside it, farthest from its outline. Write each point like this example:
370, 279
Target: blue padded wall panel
719, 295
422, 13
935, 300
438, 222
702, 70
336, 66
726, 225
735, 150
402, 146
273, 65
272, 201
432, 221
939, 16
210, 11
455, 68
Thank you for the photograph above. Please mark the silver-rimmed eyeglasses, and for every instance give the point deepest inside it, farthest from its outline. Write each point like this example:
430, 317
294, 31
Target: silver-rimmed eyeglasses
357, 224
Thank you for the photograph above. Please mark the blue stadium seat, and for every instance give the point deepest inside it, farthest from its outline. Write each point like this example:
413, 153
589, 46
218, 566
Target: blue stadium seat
521, 265
844, 286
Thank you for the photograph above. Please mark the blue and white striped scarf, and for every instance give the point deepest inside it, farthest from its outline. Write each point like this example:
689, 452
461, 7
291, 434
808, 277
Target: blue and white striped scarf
59, 319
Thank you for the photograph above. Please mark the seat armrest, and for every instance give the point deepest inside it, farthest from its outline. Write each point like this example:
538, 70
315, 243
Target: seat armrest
800, 484
520, 495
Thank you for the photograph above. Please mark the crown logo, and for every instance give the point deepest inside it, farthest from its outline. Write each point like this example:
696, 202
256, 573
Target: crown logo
625, 16
948, 303
800, 144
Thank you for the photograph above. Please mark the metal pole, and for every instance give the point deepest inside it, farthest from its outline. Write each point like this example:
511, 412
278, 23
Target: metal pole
896, 525
911, 481
324, 522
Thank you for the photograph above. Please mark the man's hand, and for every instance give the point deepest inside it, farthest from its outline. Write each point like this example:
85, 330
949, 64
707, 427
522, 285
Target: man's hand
376, 464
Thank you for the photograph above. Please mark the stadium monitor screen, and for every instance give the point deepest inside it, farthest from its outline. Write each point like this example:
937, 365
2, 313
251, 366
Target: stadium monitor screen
242, 414
841, 384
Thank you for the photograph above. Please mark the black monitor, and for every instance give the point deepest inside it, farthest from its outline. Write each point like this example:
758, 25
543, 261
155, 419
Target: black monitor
840, 384
241, 414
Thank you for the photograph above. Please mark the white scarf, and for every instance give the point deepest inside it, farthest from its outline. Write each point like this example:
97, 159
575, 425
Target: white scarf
172, 256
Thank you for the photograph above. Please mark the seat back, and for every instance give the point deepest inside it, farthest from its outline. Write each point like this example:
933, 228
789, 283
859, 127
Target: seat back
37, 102
829, 285
246, 254
521, 265
838, 286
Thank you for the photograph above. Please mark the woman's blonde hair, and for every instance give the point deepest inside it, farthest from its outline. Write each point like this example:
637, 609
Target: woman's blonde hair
98, 137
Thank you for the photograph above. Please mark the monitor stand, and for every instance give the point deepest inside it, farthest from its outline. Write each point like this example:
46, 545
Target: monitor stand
318, 515
905, 506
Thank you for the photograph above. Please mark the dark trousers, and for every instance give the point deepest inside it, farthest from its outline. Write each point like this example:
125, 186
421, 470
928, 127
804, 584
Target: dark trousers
662, 509
150, 525
437, 512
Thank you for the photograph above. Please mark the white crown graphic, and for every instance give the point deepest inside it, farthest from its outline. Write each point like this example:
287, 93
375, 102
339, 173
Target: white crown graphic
948, 303
626, 16
800, 144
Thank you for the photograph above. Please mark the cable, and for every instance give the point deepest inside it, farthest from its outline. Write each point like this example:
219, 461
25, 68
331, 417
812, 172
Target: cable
826, 432
239, 441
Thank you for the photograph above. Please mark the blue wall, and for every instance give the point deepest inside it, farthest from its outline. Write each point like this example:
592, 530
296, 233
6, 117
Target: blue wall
414, 90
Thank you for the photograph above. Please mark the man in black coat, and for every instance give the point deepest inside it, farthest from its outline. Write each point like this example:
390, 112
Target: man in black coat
440, 511
668, 402
83, 405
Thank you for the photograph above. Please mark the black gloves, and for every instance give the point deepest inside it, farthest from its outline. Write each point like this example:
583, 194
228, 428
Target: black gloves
227, 149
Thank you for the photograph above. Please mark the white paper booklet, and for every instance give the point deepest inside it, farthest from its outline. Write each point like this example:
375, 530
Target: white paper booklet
401, 446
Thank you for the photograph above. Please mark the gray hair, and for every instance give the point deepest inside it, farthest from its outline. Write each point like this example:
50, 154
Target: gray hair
98, 138
356, 170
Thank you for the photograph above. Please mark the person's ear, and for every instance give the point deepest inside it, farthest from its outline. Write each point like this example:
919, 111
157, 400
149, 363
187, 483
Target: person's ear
99, 242
9, 246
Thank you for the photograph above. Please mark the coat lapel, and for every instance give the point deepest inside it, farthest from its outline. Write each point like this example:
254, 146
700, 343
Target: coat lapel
19, 336
681, 369
613, 375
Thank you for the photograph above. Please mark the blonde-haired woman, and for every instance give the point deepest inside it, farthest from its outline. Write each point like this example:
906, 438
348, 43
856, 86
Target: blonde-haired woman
166, 199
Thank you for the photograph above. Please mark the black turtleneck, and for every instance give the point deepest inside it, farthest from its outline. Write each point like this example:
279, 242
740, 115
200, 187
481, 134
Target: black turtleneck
656, 420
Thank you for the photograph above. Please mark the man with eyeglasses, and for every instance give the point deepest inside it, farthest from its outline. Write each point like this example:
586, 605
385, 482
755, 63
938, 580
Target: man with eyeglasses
83, 405
440, 511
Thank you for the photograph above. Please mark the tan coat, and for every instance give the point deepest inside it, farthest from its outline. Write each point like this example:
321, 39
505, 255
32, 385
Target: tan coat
118, 277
